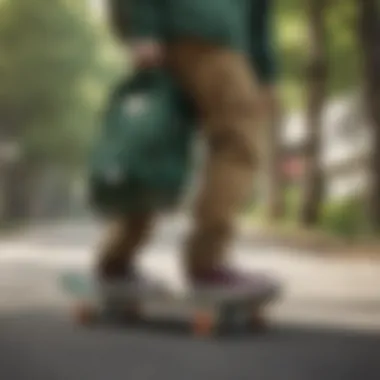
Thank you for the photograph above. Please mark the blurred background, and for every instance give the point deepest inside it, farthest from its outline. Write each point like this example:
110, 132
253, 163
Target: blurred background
320, 167
313, 218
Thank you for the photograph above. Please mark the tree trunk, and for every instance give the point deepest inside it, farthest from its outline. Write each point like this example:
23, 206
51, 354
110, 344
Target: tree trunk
316, 82
15, 193
369, 32
14, 170
275, 199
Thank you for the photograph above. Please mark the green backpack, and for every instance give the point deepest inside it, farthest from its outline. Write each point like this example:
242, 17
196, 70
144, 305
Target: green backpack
142, 158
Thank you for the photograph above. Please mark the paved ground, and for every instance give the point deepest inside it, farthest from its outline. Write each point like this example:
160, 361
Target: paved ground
328, 325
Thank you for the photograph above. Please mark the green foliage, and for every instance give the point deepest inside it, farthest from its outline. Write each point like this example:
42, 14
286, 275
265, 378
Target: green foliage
50, 70
293, 44
56, 63
291, 204
343, 50
344, 218
291, 36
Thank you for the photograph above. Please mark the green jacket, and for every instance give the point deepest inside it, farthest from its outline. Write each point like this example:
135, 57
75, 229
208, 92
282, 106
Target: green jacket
238, 24
143, 156
261, 39
215, 20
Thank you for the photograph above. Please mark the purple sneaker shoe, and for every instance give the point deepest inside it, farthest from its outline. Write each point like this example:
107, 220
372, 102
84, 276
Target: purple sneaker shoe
227, 283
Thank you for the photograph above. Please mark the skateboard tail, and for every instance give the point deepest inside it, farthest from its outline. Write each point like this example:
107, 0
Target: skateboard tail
77, 285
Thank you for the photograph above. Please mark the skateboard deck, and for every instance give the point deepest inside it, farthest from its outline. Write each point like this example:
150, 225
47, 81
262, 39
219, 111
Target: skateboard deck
204, 315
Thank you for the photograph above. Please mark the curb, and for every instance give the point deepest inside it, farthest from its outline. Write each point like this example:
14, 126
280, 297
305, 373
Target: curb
312, 242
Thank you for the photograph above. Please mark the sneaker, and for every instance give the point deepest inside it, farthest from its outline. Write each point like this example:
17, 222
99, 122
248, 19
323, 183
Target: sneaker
131, 287
229, 283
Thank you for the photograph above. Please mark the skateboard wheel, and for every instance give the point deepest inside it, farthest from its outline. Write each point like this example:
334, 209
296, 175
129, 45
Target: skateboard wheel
257, 321
84, 314
203, 324
132, 313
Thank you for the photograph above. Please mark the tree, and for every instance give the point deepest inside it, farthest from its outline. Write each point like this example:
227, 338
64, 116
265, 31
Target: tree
316, 83
369, 33
274, 190
49, 74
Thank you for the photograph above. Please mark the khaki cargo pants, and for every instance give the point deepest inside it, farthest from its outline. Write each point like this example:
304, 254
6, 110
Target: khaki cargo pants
222, 86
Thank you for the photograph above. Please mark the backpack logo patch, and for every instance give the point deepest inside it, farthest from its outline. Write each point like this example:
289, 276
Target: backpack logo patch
113, 175
135, 105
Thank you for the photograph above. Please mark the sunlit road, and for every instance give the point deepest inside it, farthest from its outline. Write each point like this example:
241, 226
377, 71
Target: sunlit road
327, 326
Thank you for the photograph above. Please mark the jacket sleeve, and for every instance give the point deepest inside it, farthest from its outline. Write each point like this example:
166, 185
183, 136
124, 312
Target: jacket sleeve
262, 48
136, 18
117, 16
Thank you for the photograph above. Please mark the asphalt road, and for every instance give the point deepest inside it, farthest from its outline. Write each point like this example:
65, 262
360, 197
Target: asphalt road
38, 342
39, 346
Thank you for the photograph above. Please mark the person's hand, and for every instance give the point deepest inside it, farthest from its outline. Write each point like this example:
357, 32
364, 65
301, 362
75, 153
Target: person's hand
147, 54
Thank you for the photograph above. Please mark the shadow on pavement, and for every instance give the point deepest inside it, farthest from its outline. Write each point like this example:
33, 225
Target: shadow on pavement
44, 345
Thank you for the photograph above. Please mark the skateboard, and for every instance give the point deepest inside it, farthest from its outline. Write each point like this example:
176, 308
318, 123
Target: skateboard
204, 315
